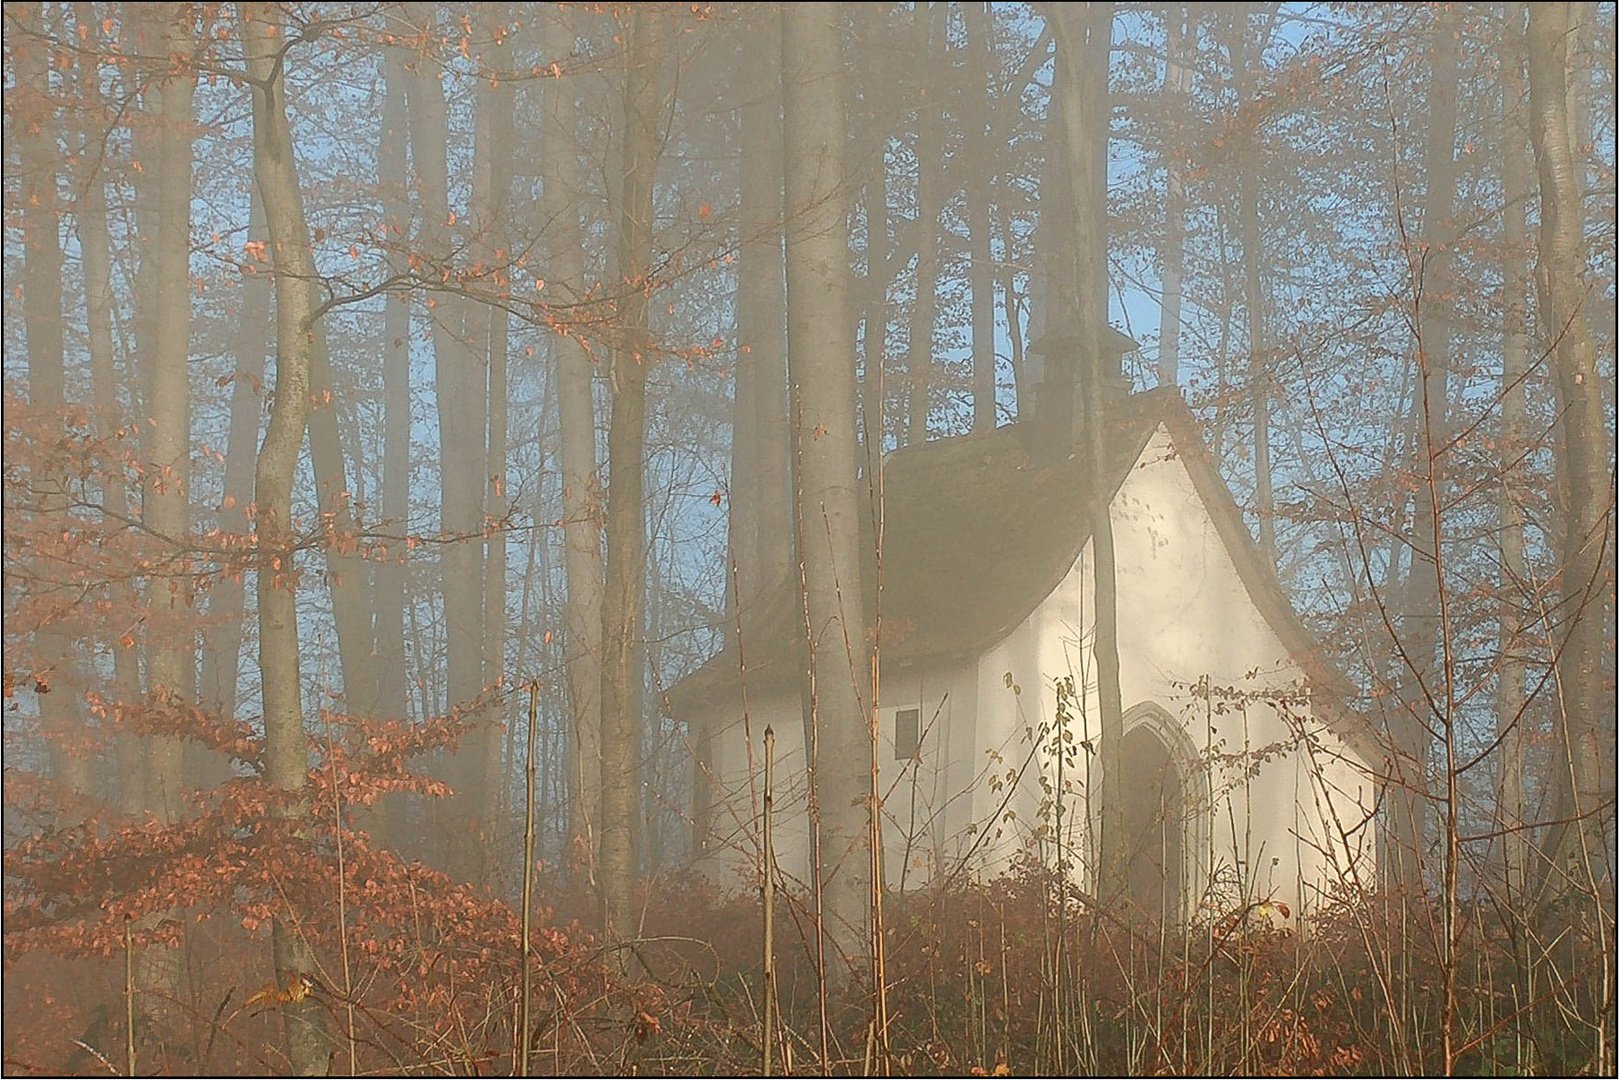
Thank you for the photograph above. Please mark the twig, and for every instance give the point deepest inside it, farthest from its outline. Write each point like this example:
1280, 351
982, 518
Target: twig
129, 999
768, 1028
528, 874
342, 897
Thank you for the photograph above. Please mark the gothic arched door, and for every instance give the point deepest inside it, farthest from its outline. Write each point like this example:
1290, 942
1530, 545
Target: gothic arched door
1155, 826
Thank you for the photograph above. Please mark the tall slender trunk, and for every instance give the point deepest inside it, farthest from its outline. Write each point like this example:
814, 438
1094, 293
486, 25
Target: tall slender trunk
492, 186
882, 261
286, 750
389, 629
1511, 723
1253, 297
225, 599
38, 158
171, 658
386, 820
1084, 37
171, 668
1582, 777
821, 373
981, 172
760, 299
95, 245
145, 144
347, 573
135, 788
631, 353
42, 320
1015, 331
459, 386
920, 343
222, 646
760, 545
581, 483
1217, 428
1181, 49
1052, 287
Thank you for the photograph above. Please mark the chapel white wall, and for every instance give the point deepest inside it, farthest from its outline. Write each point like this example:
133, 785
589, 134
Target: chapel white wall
1183, 616
1185, 620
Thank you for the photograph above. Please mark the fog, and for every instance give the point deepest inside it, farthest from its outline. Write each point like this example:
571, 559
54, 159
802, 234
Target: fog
1101, 514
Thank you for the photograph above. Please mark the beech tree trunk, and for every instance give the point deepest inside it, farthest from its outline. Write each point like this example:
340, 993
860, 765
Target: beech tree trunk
760, 542
1181, 47
1253, 298
631, 353
286, 751
821, 373
171, 657
920, 343
389, 629
39, 159
492, 183
760, 513
96, 247
386, 819
225, 599
459, 384
1583, 777
347, 574
1084, 37
582, 489
981, 171
1022, 392
1511, 722
883, 261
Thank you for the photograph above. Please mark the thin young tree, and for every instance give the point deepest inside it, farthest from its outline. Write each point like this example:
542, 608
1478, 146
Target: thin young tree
1425, 706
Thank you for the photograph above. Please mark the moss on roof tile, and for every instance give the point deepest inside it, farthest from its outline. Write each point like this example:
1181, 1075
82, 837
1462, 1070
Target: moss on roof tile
976, 533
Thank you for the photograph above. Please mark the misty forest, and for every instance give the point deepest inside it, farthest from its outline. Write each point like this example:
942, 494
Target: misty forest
809, 539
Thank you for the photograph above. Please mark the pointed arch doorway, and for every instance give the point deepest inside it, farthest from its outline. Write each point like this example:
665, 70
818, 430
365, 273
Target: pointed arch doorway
1155, 817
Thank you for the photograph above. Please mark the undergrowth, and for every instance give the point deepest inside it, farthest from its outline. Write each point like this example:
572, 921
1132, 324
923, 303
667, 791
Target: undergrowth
1014, 976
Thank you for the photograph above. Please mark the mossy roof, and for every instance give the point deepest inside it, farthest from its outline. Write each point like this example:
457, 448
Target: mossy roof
976, 533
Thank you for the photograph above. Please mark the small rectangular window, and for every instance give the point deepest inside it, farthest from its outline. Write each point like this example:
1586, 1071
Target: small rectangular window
906, 736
